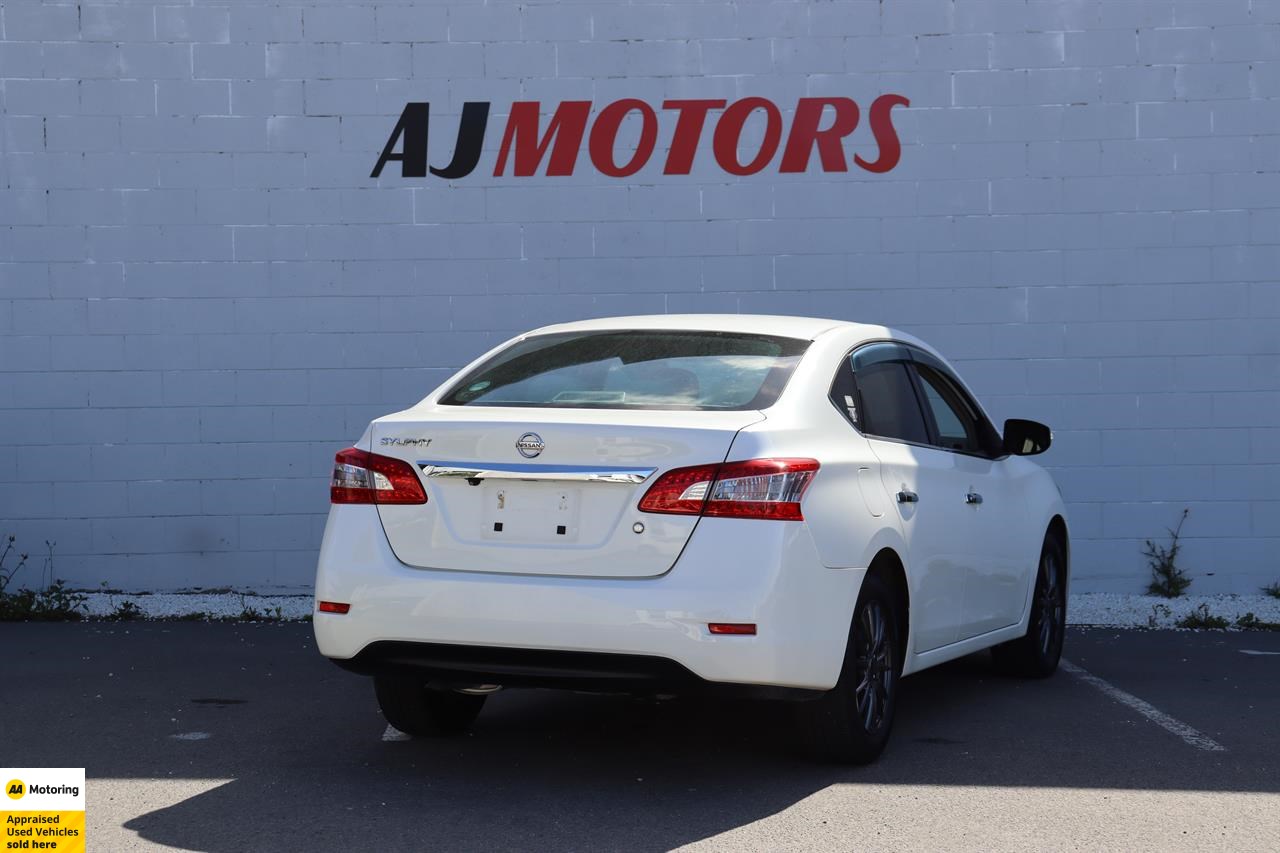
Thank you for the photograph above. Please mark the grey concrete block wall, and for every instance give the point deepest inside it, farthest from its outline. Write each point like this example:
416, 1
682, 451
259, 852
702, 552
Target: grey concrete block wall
203, 294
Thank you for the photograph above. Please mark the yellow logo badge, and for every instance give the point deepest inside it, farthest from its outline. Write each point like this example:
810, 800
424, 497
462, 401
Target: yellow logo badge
15, 789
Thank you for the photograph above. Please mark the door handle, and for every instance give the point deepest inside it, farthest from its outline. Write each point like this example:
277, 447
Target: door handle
973, 498
906, 497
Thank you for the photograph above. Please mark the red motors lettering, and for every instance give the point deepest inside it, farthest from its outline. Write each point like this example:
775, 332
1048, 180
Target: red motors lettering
553, 147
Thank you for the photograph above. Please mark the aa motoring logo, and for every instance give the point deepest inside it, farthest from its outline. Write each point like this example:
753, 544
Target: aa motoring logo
817, 125
44, 810
17, 789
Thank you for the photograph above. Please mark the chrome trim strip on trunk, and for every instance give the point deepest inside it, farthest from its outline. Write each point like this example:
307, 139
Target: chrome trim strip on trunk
513, 471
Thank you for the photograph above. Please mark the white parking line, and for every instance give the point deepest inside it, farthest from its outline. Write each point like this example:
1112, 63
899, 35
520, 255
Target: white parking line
1146, 709
394, 734
1256, 652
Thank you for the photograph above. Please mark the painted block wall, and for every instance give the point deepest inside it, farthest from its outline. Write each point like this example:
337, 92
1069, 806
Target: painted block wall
203, 294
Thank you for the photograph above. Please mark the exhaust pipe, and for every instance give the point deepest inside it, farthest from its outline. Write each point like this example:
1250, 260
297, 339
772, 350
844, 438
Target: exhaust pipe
478, 689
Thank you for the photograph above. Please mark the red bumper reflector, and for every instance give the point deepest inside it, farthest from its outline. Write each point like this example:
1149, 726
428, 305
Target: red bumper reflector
341, 607
740, 628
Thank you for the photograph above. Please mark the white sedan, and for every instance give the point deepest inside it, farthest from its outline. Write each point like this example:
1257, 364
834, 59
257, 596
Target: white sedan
783, 506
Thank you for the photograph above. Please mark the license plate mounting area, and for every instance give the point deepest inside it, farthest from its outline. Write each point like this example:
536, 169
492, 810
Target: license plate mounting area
530, 512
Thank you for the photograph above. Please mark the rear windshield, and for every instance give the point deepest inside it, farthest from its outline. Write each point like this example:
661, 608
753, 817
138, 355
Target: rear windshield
634, 370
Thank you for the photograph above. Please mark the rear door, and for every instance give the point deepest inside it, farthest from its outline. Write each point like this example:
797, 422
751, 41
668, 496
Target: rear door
919, 480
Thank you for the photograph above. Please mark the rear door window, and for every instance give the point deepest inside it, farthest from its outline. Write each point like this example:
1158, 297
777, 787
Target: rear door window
889, 405
886, 404
656, 369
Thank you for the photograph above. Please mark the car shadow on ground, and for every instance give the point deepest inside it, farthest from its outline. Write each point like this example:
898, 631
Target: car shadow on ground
547, 770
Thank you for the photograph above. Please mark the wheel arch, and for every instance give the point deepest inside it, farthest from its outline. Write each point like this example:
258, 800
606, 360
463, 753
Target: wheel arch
1058, 529
889, 568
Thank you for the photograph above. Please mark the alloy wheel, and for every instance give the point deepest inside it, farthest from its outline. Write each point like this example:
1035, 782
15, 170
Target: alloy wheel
1049, 603
874, 666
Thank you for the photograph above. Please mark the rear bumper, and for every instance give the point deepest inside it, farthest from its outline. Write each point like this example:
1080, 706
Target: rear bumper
569, 670
590, 633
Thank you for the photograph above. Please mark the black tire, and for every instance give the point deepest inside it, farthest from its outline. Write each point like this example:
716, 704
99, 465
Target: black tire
852, 722
1036, 654
416, 709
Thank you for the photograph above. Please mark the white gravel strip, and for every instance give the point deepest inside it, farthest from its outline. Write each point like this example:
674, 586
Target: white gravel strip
217, 605
1116, 610
1111, 610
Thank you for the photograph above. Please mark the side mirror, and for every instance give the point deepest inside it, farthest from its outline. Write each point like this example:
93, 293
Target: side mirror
1026, 438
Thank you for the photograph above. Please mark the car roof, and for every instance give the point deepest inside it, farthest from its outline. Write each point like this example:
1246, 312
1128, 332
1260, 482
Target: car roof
806, 328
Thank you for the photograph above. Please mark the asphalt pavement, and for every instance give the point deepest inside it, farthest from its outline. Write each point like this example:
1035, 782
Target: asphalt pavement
239, 737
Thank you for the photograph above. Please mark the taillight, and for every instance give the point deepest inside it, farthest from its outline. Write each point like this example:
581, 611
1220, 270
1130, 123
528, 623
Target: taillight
360, 477
680, 491
757, 488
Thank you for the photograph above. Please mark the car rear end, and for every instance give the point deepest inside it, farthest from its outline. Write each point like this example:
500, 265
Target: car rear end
570, 512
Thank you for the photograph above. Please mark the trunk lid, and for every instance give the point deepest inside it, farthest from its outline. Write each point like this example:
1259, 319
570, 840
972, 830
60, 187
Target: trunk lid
562, 503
